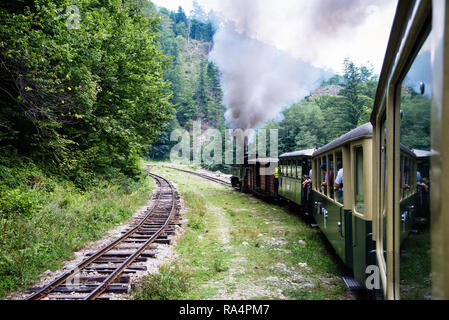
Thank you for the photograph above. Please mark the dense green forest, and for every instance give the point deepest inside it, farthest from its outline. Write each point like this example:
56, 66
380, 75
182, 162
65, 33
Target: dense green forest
194, 80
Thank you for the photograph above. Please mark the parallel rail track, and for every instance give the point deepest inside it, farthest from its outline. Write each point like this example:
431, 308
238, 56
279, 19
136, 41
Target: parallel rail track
103, 271
204, 176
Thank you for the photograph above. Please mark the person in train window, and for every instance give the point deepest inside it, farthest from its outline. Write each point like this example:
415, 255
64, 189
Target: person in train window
306, 188
405, 182
307, 179
421, 182
338, 186
324, 178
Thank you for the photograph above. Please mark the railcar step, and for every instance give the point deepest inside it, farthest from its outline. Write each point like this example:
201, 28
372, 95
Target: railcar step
352, 284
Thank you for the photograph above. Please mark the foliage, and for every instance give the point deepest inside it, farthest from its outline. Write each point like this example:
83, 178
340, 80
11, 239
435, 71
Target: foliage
321, 118
415, 124
170, 283
84, 99
194, 80
43, 218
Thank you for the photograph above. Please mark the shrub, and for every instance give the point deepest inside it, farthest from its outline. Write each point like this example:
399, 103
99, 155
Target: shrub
170, 283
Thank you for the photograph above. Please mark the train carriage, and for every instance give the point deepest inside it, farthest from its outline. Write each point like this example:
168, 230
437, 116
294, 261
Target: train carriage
342, 199
294, 169
416, 60
261, 176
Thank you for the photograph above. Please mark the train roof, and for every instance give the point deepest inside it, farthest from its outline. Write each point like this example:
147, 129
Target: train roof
263, 160
302, 153
364, 131
406, 149
422, 153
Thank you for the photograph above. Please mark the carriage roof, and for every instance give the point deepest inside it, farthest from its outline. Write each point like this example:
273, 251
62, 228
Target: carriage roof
364, 131
297, 154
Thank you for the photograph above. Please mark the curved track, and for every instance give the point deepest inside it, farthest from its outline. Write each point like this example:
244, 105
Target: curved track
204, 176
103, 271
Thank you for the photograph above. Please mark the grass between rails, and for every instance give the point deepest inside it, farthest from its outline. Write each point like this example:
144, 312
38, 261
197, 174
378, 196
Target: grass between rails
45, 219
239, 247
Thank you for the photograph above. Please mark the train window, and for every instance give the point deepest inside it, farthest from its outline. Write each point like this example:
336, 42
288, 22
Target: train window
323, 180
402, 179
331, 176
383, 189
318, 175
292, 168
359, 181
295, 172
415, 125
338, 185
286, 168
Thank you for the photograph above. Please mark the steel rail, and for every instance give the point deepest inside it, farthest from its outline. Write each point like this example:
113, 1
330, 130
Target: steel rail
46, 290
204, 176
117, 272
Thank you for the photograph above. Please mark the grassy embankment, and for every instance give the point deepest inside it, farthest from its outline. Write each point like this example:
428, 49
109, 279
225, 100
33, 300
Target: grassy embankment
415, 268
239, 247
44, 219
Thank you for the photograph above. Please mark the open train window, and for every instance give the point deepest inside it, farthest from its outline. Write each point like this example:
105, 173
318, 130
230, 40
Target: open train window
402, 178
292, 166
338, 184
359, 187
323, 175
331, 175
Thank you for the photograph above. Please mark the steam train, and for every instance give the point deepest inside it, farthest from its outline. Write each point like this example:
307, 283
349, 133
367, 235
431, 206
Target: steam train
371, 195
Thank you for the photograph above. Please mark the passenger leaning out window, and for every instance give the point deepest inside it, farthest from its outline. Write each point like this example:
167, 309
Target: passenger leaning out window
338, 186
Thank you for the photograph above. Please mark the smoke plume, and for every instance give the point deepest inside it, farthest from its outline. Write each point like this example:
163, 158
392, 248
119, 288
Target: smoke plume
273, 53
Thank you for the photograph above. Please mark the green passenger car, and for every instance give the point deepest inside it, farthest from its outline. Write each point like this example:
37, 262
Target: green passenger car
342, 202
294, 170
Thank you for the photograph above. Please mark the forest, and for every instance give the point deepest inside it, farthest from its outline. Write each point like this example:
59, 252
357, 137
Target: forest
85, 99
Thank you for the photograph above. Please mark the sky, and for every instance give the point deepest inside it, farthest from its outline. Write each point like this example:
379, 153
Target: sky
320, 32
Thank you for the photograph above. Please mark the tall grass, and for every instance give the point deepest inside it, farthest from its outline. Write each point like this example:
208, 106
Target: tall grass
44, 219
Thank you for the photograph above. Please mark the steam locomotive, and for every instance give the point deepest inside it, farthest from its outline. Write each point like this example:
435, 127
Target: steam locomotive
371, 195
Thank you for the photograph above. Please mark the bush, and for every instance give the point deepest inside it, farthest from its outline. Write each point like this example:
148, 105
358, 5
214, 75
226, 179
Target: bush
169, 284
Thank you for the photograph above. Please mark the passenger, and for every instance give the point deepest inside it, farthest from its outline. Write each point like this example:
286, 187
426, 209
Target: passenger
421, 183
405, 182
324, 178
338, 186
306, 188
307, 179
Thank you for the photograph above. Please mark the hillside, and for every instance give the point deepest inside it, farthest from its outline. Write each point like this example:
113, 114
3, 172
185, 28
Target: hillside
194, 80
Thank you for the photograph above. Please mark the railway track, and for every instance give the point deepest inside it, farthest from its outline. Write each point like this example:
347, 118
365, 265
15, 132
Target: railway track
108, 270
204, 176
